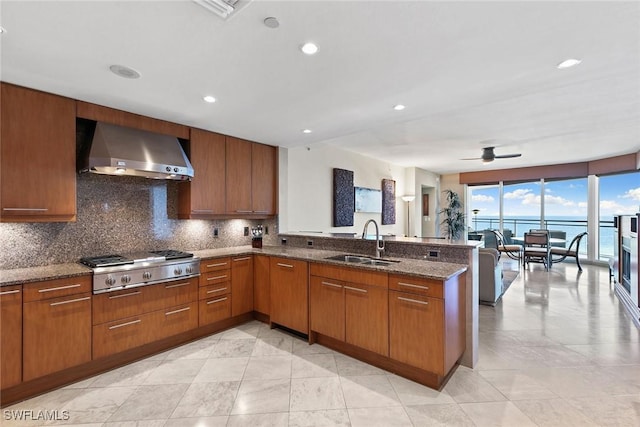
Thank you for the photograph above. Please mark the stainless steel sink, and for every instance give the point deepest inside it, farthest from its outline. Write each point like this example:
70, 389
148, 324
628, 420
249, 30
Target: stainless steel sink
359, 259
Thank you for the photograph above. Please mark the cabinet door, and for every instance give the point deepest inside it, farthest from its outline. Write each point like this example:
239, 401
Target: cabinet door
416, 334
326, 307
38, 156
261, 286
10, 336
175, 320
263, 179
367, 317
289, 293
123, 334
238, 176
57, 334
205, 194
241, 285
214, 309
115, 305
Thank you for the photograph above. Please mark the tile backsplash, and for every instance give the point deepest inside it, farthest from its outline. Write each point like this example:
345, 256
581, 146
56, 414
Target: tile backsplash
118, 214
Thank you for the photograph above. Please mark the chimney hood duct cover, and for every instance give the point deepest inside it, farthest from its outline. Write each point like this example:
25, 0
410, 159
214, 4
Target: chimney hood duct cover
118, 150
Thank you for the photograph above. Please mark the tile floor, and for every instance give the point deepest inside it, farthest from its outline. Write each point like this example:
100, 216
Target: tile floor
558, 350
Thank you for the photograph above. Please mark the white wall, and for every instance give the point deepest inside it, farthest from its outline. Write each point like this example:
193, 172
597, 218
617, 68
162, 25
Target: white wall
424, 182
308, 199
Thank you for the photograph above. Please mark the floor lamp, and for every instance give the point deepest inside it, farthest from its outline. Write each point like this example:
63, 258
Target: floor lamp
408, 199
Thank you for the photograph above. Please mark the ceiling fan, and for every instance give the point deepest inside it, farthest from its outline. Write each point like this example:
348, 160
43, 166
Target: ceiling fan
488, 155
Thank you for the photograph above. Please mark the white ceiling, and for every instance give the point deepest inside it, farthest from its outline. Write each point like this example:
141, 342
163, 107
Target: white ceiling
466, 71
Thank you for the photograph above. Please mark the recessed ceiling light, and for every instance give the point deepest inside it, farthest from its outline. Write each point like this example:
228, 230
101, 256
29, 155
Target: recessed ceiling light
571, 62
307, 131
210, 99
309, 48
271, 22
2, 30
126, 72
398, 107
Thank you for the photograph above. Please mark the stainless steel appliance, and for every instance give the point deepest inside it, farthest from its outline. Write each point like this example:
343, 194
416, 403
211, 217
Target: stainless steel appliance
115, 272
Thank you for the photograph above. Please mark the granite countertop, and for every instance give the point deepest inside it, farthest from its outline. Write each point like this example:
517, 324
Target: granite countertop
18, 276
413, 267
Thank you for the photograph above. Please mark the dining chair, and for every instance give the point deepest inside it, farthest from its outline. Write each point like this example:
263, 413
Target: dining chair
537, 249
512, 251
572, 251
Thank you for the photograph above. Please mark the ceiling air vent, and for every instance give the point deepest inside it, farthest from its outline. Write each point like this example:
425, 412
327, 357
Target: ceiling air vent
223, 8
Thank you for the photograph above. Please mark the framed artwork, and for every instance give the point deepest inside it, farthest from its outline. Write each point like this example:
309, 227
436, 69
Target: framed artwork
343, 198
388, 201
368, 200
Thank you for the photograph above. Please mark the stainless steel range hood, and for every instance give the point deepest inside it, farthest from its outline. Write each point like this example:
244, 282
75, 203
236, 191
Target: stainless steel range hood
118, 150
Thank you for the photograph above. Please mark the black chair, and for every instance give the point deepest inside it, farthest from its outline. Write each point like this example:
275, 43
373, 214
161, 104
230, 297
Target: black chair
512, 251
572, 251
537, 249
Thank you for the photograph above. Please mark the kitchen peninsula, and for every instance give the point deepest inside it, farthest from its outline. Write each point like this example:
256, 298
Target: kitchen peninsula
272, 271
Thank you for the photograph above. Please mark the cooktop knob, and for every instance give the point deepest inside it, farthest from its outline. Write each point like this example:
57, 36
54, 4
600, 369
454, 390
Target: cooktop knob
110, 281
177, 271
125, 279
146, 275
189, 269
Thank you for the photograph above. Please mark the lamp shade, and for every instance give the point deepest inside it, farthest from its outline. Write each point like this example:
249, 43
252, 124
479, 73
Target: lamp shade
408, 198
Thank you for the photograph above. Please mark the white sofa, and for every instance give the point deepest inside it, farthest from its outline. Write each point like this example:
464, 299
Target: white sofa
490, 276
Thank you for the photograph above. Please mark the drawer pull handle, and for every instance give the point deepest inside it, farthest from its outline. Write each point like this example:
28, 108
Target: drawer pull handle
26, 209
216, 300
14, 291
413, 300
224, 276
285, 265
133, 322
364, 291
59, 288
335, 285
125, 295
243, 211
176, 286
261, 212
242, 259
69, 301
202, 210
219, 264
409, 285
180, 310
216, 290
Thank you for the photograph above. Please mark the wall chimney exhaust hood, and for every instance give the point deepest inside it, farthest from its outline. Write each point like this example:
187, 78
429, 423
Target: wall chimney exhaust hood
118, 150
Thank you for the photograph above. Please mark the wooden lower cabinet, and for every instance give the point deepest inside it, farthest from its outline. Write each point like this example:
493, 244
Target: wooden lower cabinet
241, 285
10, 336
214, 293
327, 307
367, 317
174, 320
261, 284
289, 297
56, 334
122, 334
416, 331
214, 309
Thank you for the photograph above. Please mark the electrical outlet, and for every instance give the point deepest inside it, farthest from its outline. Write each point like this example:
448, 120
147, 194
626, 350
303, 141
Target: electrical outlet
215, 231
246, 231
283, 241
309, 242
433, 254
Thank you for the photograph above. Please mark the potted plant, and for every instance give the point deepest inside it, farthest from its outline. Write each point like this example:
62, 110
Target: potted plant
453, 215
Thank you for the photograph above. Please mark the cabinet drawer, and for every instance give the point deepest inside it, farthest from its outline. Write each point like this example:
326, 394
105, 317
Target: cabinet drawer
123, 334
214, 309
416, 285
349, 274
173, 293
174, 320
57, 288
216, 290
215, 264
213, 277
116, 305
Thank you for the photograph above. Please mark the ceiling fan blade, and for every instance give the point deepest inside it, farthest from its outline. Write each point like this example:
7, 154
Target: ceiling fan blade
472, 158
507, 156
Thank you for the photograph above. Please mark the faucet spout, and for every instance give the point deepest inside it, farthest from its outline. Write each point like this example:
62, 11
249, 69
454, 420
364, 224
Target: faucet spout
379, 241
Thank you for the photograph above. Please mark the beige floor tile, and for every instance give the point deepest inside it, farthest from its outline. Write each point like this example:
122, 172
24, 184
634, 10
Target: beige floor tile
369, 391
468, 386
447, 415
178, 371
262, 396
379, 417
150, 402
313, 365
309, 394
553, 413
219, 421
207, 399
232, 348
411, 393
619, 411
323, 418
515, 385
224, 369
279, 419
496, 414
268, 368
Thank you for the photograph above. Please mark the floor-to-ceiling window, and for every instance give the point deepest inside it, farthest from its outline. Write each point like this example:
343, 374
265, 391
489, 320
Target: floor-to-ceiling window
522, 207
485, 207
619, 195
565, 208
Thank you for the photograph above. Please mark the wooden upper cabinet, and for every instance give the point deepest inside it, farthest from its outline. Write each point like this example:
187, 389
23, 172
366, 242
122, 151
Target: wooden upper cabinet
37, 156
238, 176
251, 178
263, 179
204, 196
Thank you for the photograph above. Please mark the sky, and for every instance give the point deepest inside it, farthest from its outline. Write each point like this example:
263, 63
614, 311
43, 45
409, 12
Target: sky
619, 195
